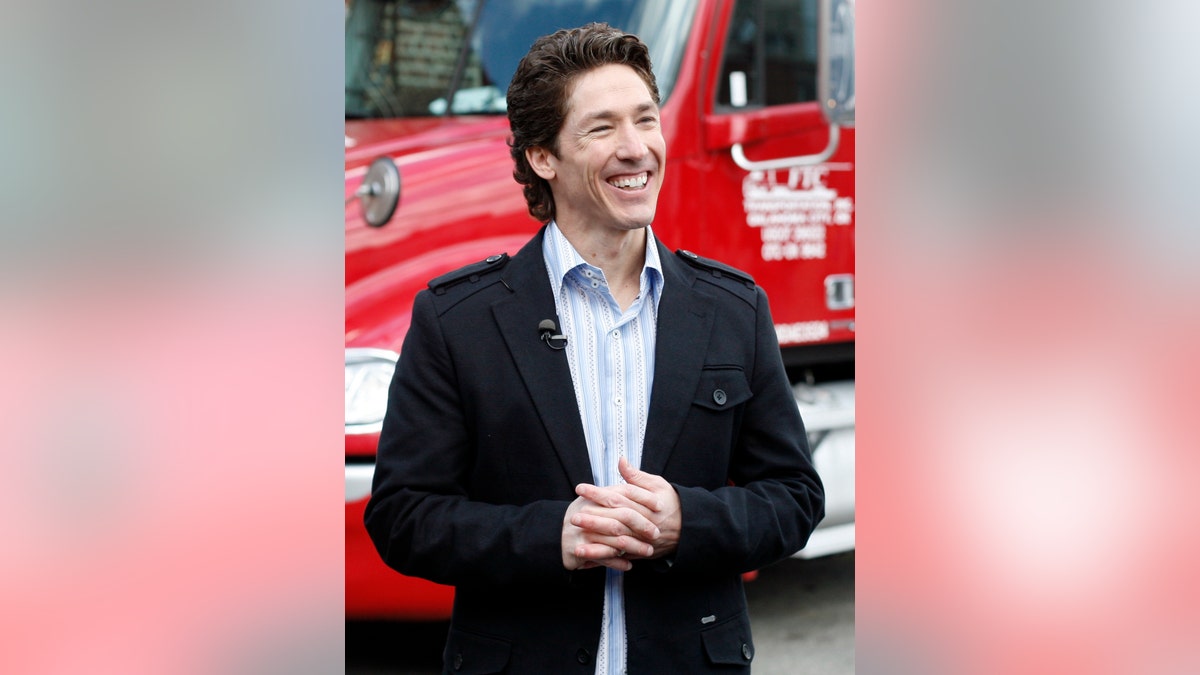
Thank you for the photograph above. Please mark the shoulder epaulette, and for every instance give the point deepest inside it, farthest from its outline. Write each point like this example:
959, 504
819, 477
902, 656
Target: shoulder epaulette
717, 269
471, 273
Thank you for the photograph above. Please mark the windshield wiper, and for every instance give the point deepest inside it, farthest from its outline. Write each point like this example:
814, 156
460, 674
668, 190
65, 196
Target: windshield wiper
464, 55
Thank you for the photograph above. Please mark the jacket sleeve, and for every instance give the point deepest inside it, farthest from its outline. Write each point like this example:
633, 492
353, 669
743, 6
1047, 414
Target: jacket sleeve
775, 498
420, 516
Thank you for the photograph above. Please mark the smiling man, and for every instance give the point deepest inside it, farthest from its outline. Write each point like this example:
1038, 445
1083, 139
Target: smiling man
593, 439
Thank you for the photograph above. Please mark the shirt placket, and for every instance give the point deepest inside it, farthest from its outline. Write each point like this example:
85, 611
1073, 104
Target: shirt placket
612, 331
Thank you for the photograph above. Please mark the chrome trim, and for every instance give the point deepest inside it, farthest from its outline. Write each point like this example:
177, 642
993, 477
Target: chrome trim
355, 355
368, 353
358, 481
836, 286
360, 429
739, 155
827, 409
380, 192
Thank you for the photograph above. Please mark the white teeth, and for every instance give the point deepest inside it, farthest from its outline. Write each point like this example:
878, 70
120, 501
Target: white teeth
631, 182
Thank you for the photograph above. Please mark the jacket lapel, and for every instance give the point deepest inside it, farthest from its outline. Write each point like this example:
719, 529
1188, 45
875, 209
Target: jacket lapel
545, 371
685, 321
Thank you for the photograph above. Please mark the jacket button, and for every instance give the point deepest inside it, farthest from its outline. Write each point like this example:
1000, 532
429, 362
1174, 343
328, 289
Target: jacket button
492, 258
689, 254
746, 651
458, 661
719, 396
583, 656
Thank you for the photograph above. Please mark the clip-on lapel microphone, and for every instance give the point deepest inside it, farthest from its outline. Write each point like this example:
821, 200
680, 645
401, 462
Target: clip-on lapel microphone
547, 328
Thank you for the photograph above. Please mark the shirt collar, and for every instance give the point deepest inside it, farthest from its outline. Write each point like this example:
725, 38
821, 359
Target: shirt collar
562, 258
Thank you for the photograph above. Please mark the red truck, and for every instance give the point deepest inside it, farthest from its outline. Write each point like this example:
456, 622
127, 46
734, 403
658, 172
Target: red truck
757, 116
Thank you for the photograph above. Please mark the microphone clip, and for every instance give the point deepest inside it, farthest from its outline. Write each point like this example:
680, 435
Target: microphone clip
548, 330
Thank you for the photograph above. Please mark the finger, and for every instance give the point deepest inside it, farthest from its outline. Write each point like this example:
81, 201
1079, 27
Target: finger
611, 524
642, 496
638, 477
634, 522
624, 495
595, 552
610, 496
600, 524
619, 564
631, 547
613, 547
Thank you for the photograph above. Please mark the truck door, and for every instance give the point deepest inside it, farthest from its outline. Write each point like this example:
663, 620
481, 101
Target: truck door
782, 203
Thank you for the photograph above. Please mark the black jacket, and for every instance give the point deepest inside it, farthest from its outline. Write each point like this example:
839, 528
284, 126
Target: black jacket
482, 446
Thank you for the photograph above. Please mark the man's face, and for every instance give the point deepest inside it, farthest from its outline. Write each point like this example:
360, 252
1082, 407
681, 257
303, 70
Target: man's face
611, 153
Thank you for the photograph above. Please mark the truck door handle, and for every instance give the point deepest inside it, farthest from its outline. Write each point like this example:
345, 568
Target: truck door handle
739, 155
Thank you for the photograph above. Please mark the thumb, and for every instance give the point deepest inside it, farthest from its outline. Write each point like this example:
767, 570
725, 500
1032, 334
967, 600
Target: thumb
630, 474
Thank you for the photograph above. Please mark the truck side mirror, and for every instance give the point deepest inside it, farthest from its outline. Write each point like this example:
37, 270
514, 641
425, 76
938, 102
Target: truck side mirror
380, 192
835, 68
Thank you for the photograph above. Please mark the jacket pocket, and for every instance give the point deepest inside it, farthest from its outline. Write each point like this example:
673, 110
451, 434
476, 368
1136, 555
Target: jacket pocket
730, 643
722, 388
472, 654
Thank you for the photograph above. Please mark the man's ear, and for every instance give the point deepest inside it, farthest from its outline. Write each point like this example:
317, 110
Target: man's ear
540, 159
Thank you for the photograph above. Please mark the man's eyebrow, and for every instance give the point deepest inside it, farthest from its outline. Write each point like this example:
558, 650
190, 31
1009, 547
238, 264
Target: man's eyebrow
611, 114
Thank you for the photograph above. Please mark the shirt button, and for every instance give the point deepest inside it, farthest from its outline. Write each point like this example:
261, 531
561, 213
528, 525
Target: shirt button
719, 396
616, 334
618, 400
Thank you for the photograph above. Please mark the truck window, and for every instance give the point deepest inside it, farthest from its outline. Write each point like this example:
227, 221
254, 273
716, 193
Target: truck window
770, 54
407, 58
401, 56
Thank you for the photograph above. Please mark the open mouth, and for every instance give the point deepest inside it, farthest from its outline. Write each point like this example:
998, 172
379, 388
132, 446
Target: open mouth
634, 182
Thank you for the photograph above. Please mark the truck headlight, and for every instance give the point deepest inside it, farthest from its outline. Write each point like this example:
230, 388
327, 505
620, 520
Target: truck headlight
368, 374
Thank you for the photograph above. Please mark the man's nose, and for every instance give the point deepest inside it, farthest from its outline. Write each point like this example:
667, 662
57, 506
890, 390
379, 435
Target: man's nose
630, 144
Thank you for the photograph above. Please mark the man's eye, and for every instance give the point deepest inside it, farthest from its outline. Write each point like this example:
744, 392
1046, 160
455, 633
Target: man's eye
596, 130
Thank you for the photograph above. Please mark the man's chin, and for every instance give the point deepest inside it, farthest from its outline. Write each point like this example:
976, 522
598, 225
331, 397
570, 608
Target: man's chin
637, 221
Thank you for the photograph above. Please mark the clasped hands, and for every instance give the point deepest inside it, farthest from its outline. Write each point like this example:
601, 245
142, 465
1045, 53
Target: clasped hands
611, 526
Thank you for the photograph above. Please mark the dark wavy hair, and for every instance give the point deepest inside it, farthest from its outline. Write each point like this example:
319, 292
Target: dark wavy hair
537, 97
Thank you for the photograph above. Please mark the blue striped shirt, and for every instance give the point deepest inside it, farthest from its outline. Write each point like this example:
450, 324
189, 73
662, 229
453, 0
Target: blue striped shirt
611, 356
